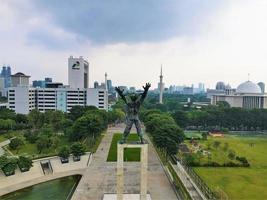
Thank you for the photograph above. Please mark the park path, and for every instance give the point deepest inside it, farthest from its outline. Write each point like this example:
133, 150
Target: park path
2, 144
189, 184
100, 177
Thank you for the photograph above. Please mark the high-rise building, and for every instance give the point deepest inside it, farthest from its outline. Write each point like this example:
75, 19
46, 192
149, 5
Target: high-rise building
78, 73
6, 74
96, 84
161, 86
109, 84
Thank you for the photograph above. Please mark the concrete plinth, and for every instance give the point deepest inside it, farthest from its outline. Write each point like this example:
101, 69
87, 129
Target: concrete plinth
143, 170
125, 197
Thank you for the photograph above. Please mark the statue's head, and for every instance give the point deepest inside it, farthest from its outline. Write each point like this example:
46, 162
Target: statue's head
134, 96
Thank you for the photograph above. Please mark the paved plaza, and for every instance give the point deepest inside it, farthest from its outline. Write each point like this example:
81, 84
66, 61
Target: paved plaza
100, 177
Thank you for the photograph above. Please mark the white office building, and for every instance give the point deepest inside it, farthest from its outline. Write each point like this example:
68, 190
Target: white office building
78, 72
23, 98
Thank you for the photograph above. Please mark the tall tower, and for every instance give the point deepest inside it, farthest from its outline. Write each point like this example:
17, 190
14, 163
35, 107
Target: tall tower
78, 72
161, 86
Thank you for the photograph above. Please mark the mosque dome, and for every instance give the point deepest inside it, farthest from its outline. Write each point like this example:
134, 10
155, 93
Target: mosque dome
248, 87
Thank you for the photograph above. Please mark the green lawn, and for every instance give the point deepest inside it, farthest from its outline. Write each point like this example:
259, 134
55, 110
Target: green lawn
132, 154
193, 134
2, 138
239, 183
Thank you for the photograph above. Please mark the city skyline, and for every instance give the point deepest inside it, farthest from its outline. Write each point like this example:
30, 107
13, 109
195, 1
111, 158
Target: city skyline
222, 41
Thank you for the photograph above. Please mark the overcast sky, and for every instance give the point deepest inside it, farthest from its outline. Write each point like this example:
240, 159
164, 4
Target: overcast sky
195, 40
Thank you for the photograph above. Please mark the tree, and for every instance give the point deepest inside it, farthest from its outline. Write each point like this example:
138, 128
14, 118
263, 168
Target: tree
6, 113
16, 143
88, 125
7, 124
36, 119
77, 149
180, 118
31, 136
25, 163
43, 142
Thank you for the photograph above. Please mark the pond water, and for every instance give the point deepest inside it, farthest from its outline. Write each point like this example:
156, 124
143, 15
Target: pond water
59, 189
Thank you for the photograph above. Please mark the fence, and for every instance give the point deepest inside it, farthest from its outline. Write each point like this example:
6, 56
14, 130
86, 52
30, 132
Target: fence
209, 194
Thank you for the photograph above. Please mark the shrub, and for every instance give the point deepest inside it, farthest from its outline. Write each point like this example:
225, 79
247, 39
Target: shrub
10, 166
64, 152
24, 163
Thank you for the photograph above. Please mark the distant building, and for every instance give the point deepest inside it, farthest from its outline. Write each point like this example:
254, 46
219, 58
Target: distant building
188, 90
109, 85
19, 79
6, 74
132, 89
247, 95
41, 83
78, 74
262, 86
22, 98
96, 84
220, 86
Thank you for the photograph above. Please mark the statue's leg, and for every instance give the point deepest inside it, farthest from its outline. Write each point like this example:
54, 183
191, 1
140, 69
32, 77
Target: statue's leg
129, 124
137, 124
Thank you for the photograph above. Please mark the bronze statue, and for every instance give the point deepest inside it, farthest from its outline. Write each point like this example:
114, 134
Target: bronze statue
133, 102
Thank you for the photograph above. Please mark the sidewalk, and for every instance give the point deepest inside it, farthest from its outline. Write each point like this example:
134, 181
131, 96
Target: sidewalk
189, 184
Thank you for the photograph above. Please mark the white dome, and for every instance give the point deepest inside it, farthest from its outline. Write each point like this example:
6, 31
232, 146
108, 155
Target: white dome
248, 87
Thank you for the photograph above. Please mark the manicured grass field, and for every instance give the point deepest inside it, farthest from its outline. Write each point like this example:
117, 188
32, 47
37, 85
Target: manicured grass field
239, 183
132, 154
193, 134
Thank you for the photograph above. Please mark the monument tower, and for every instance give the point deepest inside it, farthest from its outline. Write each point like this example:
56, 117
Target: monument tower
161, 86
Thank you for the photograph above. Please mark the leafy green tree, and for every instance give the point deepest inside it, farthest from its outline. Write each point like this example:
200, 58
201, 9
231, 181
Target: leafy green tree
31, 136
77, 149
36, 119
180, 118
87, 125
25, 163
6, 113
43, 142
7, 124
16, 143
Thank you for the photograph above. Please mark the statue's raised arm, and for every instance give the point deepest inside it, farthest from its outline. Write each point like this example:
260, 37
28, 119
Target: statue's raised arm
120, 93
146, 88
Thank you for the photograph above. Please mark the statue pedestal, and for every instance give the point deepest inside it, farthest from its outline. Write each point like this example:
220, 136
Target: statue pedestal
125, 197
143, 170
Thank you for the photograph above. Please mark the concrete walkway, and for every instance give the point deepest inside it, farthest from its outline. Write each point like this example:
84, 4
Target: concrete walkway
189, 184
100, 177
2, 144
35, 175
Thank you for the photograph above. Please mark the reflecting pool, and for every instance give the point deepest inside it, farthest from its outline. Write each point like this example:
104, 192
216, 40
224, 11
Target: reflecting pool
59, 189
